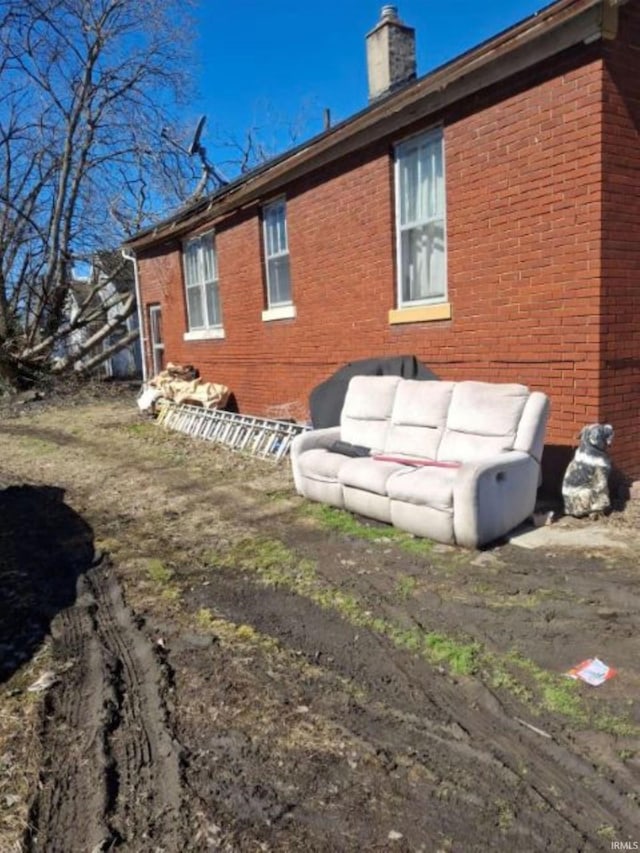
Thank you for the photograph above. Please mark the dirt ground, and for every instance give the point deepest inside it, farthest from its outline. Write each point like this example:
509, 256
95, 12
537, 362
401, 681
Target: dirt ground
225, 666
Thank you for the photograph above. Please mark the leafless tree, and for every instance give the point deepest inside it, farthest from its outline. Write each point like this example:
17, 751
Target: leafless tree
87, 87
270, 133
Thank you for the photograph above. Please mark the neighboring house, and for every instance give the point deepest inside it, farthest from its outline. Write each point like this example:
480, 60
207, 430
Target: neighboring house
116, 277
485, 217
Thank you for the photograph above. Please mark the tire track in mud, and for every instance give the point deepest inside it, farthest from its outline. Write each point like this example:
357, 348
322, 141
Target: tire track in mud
111, 770
461, 731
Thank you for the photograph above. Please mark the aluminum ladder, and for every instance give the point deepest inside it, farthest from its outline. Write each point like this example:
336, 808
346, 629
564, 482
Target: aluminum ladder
261, 437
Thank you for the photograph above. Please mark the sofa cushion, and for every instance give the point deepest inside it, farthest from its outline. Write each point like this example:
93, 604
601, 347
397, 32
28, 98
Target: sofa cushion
367, 410
368, 474
321, 464
418, 418
530, 435
482, 420
424, 487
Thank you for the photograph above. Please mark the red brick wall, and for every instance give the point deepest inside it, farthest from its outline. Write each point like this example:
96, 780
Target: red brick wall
523, 174
621, 241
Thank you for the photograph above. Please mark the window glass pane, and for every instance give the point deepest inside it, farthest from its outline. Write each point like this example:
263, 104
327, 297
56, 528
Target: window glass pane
214, 260
282, 229
413, 268
432, 191
208, 259
194, 301
279, 281
421, 181
436, 259
273, 234
213, 304
408, 187
270, 230
156, 325
191, 263
423, 262
275, 222
438, 180
277, 231
423, 190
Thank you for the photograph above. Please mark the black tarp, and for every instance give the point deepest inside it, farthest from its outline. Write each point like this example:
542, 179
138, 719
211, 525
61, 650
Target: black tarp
326, 400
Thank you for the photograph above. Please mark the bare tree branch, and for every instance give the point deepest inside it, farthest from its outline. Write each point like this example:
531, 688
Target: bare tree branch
88, 365
86, 89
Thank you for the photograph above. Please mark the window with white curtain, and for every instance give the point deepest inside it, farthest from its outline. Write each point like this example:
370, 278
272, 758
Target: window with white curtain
201, 283
276, 254
420, 220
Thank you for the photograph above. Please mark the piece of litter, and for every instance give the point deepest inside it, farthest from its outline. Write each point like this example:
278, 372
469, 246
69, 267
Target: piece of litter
594, 671
46, 680
394, 836
533, 728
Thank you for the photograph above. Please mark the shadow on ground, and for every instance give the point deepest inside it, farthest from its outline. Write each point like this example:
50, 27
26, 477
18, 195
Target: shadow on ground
44, 547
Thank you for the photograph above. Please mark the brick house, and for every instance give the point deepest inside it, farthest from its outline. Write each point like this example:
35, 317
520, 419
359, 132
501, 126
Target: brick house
484, 217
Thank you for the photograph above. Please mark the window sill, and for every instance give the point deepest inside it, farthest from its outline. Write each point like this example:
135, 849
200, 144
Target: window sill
204, 334
421, 314
283, 312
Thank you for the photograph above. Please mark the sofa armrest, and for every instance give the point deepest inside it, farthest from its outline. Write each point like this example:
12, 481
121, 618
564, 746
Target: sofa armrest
315, 438
492, 496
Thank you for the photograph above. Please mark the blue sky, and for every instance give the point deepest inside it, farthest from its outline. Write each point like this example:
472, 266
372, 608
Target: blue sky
278, 64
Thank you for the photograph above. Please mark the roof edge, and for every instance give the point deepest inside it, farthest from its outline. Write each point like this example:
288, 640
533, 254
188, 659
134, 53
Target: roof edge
555, 28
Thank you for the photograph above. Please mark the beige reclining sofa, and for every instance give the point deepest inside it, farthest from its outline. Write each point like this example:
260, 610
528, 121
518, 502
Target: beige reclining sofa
461, 460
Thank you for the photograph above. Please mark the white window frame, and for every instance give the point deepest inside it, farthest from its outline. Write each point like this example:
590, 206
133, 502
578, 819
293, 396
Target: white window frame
405, 146
211, 327
282, 309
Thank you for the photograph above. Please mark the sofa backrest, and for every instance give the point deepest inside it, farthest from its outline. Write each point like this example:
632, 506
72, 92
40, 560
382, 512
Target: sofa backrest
447, 421
482, 420
418, 418
367, 410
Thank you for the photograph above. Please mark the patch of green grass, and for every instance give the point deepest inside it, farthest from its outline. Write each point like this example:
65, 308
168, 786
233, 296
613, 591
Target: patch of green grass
413, 545
626, 754
552, 692
158, 572
558, 694
500, 679
411, 639
232, 632
506, 816
462, 658
607, 832
37, 446
540, 690
162, 576
405, 587
562, 698
142, 429
616, 726
171, 593
279, 494
529, 601
340, 521
205, 619
277, 565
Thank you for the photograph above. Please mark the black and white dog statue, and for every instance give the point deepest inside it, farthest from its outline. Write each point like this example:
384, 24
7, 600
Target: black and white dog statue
585, 487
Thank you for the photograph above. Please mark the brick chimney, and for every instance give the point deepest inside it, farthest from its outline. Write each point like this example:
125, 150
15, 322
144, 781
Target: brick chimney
391, 54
